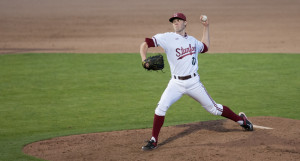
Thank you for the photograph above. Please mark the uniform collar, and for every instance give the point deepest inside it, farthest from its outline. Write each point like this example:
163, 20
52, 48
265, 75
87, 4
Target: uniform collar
185, 35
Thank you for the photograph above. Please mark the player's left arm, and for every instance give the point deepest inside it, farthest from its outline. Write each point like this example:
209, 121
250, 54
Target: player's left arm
143, 50
205, 37
144, 47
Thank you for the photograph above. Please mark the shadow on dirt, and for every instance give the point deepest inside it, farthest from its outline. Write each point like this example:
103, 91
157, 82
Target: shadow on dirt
215, 125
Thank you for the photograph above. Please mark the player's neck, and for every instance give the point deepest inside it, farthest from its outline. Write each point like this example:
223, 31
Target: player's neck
182, 33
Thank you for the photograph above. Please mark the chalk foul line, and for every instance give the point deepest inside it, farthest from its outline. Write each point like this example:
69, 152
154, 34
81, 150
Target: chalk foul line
262, 127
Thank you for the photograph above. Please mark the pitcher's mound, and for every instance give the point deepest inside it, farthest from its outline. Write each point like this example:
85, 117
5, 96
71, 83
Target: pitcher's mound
210, 140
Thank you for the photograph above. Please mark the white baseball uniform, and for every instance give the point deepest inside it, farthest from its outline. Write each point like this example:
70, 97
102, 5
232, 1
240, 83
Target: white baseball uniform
182, 54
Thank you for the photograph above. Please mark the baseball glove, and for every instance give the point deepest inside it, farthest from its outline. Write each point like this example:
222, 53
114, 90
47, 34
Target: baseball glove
154, 62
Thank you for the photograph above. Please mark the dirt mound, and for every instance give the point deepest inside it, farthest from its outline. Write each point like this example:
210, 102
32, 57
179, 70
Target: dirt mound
210, 140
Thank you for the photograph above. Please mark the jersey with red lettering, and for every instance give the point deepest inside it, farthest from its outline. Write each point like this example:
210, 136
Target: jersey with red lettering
182, 52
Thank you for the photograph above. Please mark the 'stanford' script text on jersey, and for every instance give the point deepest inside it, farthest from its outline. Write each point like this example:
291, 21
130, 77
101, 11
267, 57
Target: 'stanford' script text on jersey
182, 51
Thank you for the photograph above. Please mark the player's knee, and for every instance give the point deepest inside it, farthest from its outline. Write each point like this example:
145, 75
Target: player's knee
215, 109
161, 110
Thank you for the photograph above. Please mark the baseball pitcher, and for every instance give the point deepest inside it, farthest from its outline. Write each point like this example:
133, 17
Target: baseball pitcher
182, 54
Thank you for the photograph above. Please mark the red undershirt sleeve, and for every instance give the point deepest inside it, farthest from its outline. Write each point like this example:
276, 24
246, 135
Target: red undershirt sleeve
149, 42
205, 49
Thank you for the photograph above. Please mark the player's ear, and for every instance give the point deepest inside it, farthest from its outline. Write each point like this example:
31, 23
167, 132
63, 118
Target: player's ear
185, 23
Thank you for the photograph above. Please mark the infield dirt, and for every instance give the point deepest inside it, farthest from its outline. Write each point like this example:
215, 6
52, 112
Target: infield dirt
211, 140
116, 26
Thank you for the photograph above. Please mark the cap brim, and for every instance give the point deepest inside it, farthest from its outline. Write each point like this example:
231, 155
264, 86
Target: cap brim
172, 18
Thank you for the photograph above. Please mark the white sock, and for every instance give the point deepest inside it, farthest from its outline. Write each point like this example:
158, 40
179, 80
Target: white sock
241, 122
153, 138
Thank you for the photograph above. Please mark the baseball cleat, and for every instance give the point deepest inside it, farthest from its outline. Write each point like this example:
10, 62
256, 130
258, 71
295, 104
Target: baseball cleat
247, 125
150, 145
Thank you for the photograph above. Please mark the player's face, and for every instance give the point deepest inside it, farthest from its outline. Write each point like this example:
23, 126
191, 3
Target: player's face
179, 25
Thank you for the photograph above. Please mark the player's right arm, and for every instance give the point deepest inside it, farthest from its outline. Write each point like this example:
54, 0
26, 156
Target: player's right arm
205, 36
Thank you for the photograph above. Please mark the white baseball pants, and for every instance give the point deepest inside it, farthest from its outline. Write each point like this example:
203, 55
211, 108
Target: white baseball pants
193, 88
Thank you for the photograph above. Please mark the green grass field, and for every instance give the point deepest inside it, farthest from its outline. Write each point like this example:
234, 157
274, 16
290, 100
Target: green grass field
49, 95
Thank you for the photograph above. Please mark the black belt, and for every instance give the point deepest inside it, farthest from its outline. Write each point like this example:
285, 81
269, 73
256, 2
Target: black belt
184, 77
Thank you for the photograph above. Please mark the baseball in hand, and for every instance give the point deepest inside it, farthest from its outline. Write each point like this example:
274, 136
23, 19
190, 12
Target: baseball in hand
204, 18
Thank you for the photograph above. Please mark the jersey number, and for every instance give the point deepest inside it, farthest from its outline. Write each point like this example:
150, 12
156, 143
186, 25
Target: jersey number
193, 60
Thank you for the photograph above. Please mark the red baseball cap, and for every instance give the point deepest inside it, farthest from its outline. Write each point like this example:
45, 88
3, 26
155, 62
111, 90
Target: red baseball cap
177, 15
